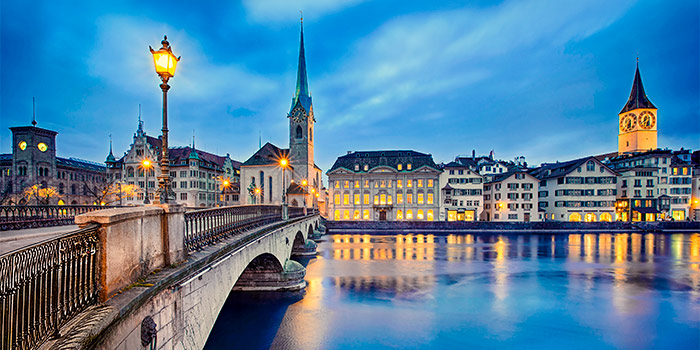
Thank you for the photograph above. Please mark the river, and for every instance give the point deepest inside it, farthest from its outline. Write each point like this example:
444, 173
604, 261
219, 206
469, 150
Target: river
465, 291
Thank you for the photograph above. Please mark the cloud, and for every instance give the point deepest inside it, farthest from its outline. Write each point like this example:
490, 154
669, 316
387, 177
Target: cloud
287, 10
415, 57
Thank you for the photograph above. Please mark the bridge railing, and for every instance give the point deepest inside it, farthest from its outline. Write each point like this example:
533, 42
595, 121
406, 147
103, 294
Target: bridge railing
17, 217
208, 226
44, 285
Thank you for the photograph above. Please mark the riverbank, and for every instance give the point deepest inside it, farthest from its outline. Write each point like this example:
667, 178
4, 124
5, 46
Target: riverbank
437, 227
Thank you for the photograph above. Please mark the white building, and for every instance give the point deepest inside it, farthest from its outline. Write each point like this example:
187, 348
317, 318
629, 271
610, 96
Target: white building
511, 196
578, 190
461, 190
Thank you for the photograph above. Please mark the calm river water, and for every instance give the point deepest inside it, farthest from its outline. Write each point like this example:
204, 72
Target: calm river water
578, 291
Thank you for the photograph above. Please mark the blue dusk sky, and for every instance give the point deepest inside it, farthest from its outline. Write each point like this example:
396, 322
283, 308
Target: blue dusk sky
542, 79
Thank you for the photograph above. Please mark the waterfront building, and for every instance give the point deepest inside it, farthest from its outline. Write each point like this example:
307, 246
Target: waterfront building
653, 185
695, 193
33, 161
461, 192
637, 121
391, 185
199, 178
262, 173
511, 196
578, 190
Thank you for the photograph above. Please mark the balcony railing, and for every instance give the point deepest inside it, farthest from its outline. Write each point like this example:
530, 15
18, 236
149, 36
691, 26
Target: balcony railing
17, 217
44, 285
208, 226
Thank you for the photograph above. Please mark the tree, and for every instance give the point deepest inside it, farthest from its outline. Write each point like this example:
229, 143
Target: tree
109, 191
41, 194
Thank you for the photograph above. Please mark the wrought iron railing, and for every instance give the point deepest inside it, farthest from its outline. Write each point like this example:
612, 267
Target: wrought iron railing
17, 217
208, 226
44, 285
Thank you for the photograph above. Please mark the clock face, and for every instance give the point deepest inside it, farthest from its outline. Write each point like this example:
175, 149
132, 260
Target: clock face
647, 120
298, 114
628, 122
22, 145
42, 146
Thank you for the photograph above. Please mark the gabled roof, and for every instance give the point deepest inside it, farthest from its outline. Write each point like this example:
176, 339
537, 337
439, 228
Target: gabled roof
638, 98
502, 176
387, 158
268, 154
554, 170
177, 154
79, 164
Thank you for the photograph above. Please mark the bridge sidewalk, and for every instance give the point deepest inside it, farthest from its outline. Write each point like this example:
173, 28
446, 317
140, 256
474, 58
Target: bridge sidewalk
16, 239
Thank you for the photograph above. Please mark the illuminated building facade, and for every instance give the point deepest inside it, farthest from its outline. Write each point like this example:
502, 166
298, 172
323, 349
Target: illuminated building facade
387, 185
461, 193
583, 189
33, 161
199, 179
511, 196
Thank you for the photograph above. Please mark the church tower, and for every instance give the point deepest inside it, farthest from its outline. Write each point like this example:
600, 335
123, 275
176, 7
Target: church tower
301, 122
637, 121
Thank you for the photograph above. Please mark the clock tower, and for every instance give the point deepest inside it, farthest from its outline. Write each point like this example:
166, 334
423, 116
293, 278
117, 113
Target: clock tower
301, 122
637, 121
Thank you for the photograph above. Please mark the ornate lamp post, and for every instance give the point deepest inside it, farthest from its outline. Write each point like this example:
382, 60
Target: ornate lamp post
146, 165
225, 185
165, 63
306, 187
284, 163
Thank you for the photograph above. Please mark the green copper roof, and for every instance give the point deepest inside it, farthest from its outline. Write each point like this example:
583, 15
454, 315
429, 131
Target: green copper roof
110, 157
301, 94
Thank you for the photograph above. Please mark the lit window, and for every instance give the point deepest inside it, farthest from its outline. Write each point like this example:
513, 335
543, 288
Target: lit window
399, 215
430, 215
399, 167
430, 182
383, 184
346, 199
366, 199
357, 184
347, 184
356, 215
399, 183
346, 214
419, 216
420, 182
409, 214
337, 215
388, 184
399, 198
420, 198
366, 167
409, 198
337, 198
357, 199
376, 199
408, 166
337, 184
388, 200
430, 198
409, 183
366, 183
365, 214
382, 199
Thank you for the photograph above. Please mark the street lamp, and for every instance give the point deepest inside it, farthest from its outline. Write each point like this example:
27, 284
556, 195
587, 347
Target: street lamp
305, 184
284, 163
146, 165
225, 184
165, 63
257, 193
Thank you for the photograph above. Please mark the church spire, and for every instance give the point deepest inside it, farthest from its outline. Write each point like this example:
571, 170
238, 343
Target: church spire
301, 94
638, 98
110, 157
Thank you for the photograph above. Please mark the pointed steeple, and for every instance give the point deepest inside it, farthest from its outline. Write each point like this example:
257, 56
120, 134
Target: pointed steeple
638, 98
110, 157
139, 130
301, 94
193, 152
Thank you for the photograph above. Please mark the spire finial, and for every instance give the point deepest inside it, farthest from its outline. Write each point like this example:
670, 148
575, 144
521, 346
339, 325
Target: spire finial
193, 139
301, 14
110, 143
33, 112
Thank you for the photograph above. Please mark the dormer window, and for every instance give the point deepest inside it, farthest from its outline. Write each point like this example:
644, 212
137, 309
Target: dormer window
366, 167
357, 167
408, 166
400, 166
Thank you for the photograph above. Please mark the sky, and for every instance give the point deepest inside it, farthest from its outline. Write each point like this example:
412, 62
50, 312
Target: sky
540, 79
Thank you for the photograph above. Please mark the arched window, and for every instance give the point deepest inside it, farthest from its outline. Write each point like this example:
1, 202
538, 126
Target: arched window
575, 217
590, 166
295, 203
130, 172
299, 132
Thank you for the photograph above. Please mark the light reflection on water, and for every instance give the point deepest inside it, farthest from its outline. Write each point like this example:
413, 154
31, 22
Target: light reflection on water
456, 291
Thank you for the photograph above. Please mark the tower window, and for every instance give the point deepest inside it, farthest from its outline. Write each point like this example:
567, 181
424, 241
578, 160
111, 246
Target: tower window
299, 132
311, 134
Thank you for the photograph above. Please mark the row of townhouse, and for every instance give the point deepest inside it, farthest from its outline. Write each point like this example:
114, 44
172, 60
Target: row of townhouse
408, 185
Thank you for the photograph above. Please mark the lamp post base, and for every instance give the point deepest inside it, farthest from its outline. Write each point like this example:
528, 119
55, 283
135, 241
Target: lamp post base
285, 212
165, 195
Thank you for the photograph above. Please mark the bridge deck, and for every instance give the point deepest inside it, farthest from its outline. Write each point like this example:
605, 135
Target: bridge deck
15, 239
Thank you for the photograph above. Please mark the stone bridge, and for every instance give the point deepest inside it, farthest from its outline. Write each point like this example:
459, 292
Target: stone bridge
163, 274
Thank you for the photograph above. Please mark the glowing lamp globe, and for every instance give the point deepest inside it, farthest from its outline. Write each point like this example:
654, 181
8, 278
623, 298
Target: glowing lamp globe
164, 60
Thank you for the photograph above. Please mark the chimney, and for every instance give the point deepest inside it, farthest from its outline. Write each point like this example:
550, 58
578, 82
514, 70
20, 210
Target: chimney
349, 152
473, 154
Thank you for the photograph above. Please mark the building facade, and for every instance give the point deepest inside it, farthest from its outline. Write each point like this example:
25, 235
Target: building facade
33, 162
579, 190
262, 173
384, 186
199, 179
511, 196
461, 193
